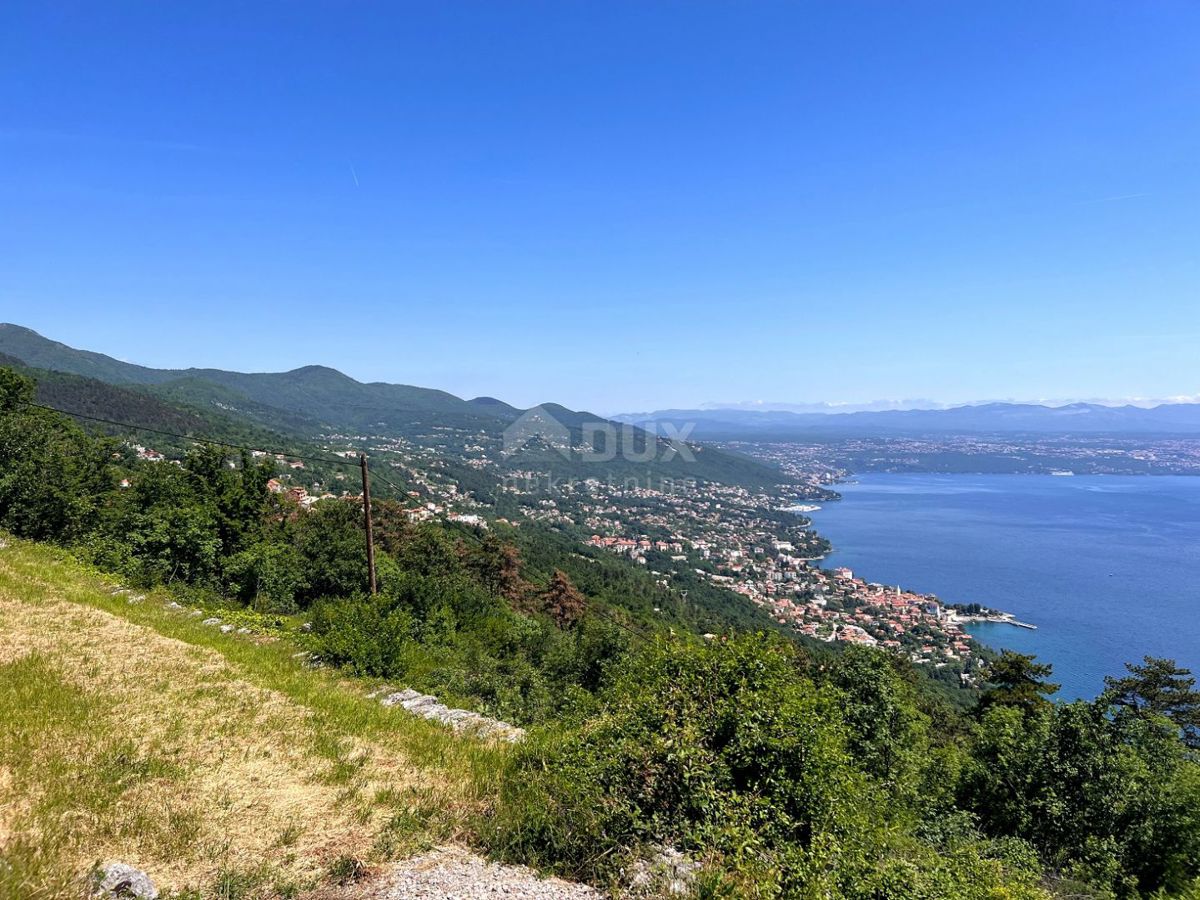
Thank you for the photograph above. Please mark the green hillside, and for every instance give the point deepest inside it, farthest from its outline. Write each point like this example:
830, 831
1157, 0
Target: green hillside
39, 352
315, 400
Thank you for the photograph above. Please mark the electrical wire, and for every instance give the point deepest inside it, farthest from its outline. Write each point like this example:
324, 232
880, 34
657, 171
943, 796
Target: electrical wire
340, 461
283, 452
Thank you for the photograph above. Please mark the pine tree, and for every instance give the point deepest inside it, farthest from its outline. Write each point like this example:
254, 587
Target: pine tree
1017, 679
1160, 687
562, 600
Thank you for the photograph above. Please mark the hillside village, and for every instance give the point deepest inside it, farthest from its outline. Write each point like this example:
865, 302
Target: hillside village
757, 545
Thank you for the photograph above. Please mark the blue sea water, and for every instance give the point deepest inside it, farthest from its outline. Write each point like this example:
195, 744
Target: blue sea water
1107, 567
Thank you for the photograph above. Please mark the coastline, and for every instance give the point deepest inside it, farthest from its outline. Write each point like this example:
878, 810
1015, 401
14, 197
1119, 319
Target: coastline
997, 617
1000, 618
1103, 565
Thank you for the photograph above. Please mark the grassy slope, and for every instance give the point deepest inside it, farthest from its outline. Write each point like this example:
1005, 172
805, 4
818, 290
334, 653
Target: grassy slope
216, 762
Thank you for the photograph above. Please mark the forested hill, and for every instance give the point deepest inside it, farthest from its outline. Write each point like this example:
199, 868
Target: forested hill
323, 395
316, 400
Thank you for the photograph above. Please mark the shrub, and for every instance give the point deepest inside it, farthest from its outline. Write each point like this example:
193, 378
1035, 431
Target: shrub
728, 752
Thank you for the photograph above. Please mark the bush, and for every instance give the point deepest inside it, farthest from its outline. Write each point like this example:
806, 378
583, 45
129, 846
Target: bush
1111, 801
364, 635
728, 752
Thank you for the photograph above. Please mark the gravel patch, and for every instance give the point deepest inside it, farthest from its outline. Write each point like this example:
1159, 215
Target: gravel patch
454, 874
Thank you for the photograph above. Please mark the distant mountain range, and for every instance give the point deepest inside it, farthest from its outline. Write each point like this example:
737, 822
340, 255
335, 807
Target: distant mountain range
883, 405
990, 418
316, 401
822, 407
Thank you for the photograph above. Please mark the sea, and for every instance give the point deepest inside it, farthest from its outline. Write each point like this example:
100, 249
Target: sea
1106, 567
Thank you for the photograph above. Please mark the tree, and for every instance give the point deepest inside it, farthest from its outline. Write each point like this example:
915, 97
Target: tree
329, 539
52, 474
1159, 687
498, 565
1110, 801
269, 572
562, 600
16, 391
236, 494
886, 732
1016, 679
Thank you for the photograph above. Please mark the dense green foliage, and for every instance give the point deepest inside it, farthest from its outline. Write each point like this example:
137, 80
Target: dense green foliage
52, 474
785, 772
1109, 800
801, 782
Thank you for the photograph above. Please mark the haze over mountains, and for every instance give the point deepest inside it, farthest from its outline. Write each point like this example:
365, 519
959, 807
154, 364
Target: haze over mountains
316, 399
1018, 418
924, 403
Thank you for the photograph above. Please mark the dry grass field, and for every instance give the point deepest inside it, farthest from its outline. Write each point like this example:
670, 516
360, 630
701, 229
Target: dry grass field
216, 762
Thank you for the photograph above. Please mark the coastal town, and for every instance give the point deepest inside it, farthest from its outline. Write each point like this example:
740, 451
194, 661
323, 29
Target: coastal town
984, 454
757, 546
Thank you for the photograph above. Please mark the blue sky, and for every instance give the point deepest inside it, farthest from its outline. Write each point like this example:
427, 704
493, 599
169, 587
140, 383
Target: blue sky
617, 205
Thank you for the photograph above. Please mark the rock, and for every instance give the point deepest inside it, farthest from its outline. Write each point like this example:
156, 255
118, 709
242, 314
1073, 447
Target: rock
400, 697
492, 728
171, 604
123, 882
423, 705
244, 630
195, 614
225, 629
428, 707
213, 620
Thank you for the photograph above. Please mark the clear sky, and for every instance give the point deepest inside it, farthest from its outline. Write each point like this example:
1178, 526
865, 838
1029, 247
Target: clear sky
615, 205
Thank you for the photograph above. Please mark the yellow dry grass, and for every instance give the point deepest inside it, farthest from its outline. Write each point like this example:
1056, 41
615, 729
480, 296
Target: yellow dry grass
203, 769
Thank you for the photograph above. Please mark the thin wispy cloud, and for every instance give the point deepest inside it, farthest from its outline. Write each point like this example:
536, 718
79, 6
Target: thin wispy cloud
1116, 197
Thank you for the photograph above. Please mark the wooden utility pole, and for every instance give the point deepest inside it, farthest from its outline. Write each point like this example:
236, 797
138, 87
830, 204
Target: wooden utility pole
362, 459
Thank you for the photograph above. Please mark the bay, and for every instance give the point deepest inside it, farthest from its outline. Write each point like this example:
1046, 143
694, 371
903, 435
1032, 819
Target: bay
1107, 567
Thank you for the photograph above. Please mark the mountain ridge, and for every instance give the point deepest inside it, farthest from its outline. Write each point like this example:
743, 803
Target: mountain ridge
1091, 418
292, 389
316, 401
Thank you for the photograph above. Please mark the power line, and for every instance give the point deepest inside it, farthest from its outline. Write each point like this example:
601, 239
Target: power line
640, 635
213, 441
191, 437
283, 452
